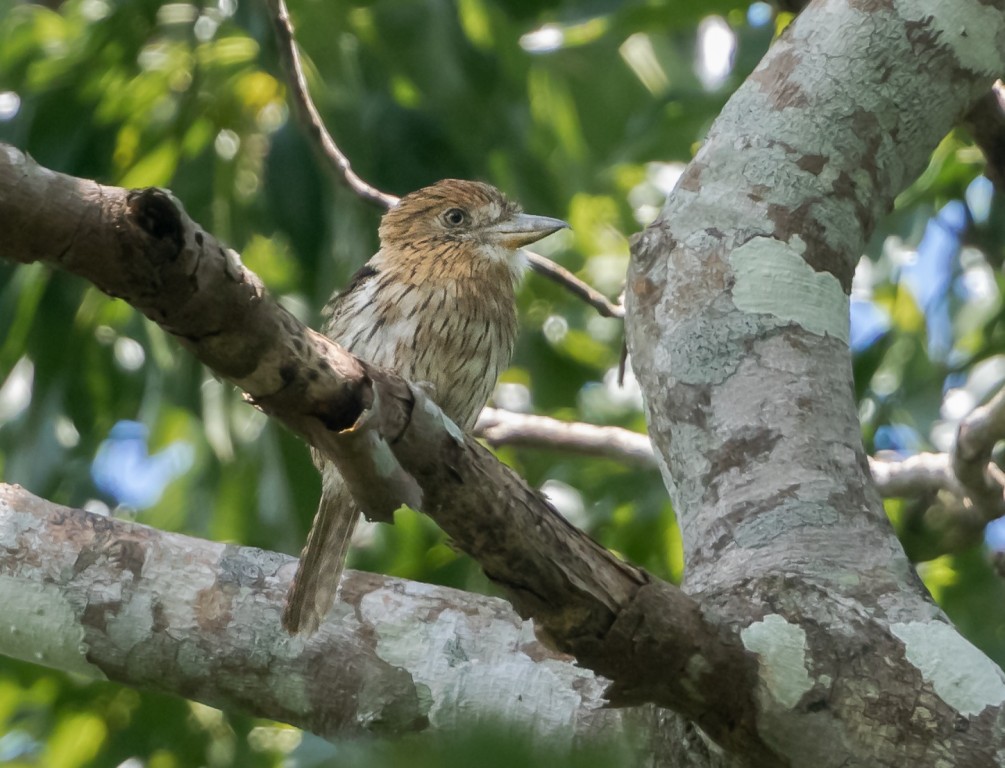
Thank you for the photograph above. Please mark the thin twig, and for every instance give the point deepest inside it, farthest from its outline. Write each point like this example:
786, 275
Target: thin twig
308, 113
559, 274
318, 133
895, 478
500, 427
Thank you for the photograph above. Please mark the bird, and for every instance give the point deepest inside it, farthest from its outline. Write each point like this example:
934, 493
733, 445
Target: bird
437, 305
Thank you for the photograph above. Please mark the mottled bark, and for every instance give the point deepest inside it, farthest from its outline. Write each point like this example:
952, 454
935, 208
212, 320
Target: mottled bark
738, 325
120, 601
806, 638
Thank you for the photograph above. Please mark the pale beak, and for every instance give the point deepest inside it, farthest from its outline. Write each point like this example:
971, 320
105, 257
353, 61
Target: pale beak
523, 229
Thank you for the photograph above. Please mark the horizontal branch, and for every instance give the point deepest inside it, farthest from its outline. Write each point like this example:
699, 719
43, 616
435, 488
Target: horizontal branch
643, 634
120, 601
963, 510
895, 478
500, 427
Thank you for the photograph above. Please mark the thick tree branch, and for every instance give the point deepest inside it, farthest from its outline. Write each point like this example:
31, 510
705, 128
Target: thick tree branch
737, 323
643, 634
124, 602
985, 121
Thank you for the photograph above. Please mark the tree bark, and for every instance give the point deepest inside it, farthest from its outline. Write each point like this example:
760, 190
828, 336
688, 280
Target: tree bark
804, 637
391, 442
738, 328
115, 600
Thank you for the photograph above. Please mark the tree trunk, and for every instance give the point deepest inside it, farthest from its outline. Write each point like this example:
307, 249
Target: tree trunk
738, 328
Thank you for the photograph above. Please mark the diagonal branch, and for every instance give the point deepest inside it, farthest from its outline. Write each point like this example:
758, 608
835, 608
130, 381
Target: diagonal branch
309, 115
581, 290
617, 620
985, 121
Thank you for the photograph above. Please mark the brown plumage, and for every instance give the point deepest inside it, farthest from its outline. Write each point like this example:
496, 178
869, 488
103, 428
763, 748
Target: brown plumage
436, 304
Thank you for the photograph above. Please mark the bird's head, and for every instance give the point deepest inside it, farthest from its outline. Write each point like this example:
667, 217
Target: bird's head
453, 213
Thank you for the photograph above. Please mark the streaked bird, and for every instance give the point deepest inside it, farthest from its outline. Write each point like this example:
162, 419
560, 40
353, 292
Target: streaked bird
436, 304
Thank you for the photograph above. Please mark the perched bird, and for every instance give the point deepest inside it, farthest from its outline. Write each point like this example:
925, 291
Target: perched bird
437, 305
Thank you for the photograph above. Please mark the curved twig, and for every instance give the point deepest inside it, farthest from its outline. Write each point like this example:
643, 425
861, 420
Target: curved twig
559, 274
318, 134
976, 437
308, 113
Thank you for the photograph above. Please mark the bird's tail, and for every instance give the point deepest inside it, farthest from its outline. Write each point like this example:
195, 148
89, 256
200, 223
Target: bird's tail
316, 582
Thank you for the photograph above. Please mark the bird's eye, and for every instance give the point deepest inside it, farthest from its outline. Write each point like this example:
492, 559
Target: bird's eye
455, 217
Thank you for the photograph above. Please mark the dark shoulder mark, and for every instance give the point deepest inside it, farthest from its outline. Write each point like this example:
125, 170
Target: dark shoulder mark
359, 279
362, 275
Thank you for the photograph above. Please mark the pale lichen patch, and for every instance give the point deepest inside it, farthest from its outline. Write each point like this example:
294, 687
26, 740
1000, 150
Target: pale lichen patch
451, 428
960, 673
781, 648
773, 278
53, 637
969, 31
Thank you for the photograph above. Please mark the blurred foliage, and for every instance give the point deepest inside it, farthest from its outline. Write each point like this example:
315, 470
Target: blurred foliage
582, 109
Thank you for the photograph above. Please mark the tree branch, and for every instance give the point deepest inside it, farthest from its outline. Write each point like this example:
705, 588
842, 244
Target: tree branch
308, 113
120, 601
617, 620
962, 513
971, 458
501, 427
578, 288
985, 121
319, 135
737, 323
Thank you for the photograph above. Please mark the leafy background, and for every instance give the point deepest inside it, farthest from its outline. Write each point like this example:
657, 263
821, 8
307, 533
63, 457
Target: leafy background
580, 109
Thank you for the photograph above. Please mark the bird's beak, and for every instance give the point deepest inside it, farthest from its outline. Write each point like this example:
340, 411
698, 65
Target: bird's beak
523, 229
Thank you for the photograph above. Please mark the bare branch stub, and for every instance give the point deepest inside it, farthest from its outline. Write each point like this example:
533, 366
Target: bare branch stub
971, 456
